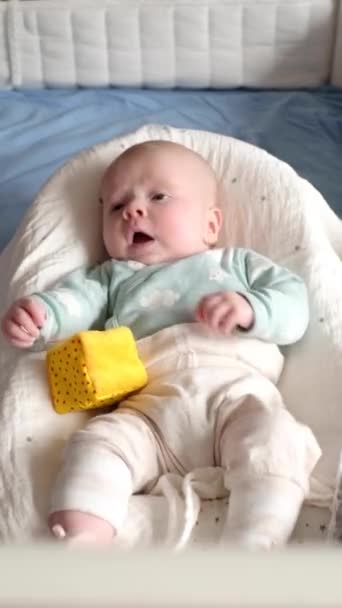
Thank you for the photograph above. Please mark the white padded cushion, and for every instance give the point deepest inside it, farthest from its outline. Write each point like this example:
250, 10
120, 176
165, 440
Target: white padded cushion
267, 207
166, 43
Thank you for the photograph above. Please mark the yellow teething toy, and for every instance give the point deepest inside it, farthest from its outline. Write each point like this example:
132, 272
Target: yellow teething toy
93, 369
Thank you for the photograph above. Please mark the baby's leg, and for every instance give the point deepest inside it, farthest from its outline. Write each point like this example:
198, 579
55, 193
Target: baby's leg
114, 456
268, 458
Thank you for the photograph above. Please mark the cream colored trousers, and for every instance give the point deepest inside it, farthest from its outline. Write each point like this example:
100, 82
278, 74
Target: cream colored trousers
210, 401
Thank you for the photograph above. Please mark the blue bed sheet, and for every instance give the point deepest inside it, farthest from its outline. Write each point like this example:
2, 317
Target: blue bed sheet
40, 130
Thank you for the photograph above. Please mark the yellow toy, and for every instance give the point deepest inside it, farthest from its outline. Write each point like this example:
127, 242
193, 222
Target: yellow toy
93, 369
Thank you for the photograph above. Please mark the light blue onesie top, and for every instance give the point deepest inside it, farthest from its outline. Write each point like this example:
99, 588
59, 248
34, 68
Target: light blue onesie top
150, 298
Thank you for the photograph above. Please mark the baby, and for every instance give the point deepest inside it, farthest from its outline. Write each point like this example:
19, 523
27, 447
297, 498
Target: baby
207, 322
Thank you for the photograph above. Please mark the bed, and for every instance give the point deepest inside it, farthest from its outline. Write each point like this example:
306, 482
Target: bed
74, 74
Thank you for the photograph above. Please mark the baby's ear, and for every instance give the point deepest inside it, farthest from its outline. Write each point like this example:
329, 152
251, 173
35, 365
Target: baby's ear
214, 225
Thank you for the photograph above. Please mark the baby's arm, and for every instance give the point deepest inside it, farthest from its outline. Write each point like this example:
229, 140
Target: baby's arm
277, 297
78, 303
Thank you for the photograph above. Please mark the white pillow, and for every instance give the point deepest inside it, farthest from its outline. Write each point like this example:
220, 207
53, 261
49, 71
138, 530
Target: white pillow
267, 207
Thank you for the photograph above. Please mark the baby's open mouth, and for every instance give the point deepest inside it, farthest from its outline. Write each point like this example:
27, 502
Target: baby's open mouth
141, 237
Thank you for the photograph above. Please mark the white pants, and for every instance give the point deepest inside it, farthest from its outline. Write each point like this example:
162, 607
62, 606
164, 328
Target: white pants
210, 401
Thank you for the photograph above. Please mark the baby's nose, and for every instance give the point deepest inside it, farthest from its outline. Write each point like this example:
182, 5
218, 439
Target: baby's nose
135, 208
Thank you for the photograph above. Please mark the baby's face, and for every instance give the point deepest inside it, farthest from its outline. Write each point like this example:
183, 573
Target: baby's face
159, 204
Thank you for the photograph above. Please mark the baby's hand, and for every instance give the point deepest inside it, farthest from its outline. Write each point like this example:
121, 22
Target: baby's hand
224, 311
22, 322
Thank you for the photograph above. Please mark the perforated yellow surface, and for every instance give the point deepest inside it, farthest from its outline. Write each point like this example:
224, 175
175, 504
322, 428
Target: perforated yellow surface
93, 369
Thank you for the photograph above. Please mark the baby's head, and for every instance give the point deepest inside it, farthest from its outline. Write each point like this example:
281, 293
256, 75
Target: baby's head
159, 204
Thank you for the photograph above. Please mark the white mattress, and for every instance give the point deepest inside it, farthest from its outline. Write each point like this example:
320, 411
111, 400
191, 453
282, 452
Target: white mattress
165, 43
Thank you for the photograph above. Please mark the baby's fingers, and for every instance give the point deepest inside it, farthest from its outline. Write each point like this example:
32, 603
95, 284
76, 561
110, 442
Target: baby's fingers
216, 314
206, 306
35, 309
21, 343
21, 323
16, 334
228, 323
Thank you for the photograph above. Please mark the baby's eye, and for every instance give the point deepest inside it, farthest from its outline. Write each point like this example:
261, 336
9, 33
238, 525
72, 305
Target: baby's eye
159, 196
116, 207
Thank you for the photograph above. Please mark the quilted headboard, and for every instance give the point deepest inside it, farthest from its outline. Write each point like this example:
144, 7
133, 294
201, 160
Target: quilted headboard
170, 43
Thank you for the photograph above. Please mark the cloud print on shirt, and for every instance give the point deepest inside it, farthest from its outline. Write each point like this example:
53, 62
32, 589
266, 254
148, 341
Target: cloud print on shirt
69, 301
159, 299
217, 274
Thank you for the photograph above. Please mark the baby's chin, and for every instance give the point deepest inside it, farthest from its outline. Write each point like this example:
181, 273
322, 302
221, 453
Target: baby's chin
148, 259
153, 256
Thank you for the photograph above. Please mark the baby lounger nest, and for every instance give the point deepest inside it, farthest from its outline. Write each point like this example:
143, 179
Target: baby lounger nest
267, 207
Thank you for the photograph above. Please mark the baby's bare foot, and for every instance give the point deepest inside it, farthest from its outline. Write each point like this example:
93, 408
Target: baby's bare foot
78, 528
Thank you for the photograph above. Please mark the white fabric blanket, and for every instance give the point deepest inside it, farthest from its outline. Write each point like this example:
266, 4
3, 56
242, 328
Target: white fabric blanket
267, 206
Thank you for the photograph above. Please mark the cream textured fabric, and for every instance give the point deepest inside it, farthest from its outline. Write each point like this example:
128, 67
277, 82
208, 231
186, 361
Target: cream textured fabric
168, 43
267, 207
209, 402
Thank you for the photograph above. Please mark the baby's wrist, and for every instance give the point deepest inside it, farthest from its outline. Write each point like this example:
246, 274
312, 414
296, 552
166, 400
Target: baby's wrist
247, 314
